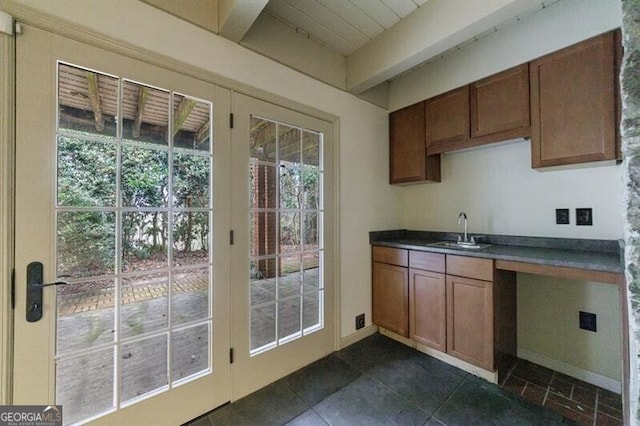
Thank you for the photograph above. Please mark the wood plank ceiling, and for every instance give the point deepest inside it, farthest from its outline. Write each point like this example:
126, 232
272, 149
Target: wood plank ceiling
343, 26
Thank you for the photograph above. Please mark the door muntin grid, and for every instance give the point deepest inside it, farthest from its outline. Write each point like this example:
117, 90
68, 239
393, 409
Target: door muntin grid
134, 221
286, 227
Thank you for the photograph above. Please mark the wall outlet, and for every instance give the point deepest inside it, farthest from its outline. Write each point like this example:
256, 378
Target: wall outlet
588, 321
584, 217
359, 321
562, 216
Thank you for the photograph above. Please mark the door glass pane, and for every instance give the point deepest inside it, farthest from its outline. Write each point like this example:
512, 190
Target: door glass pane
146, 113
285, 232
86, 172
144, 244
145, 177
87, 102
144, 304
191, 123
133, 214
86, 243
144, 367
85, 385
86, 314
190, 295
190, 238
190, 351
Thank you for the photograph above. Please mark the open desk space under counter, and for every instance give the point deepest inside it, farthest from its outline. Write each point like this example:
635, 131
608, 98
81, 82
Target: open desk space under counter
458, 303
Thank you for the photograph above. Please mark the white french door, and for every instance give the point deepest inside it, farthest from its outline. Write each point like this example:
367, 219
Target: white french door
122, 172
282, 254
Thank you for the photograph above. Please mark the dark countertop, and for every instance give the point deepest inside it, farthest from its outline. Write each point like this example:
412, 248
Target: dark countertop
596, 255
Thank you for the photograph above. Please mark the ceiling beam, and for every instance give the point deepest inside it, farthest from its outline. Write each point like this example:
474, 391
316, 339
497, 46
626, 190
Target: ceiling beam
434, 28
235, 17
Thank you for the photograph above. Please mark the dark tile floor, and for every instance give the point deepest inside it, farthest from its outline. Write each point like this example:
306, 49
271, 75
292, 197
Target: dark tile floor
379, 381
583, 402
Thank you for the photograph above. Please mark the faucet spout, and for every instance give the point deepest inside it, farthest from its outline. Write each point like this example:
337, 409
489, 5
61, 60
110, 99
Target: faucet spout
463, 217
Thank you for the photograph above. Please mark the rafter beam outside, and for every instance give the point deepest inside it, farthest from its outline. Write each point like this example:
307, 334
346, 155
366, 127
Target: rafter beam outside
143, 97
185, 107
94, 98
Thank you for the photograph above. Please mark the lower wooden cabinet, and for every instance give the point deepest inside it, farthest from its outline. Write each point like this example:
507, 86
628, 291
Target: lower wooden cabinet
428, 308
470, 320
455, 304
391, 297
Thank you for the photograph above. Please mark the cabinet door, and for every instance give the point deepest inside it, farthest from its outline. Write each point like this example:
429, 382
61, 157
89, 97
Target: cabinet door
408, 161
427, 314
470, 321
573, 104
447, 121
391, 297
500, 106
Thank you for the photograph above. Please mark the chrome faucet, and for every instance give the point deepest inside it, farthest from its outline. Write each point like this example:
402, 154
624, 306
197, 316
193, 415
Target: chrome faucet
465, 238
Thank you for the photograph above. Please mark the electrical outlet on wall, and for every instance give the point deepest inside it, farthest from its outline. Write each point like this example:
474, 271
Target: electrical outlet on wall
562, 216
584, 217
588, 321
359, 321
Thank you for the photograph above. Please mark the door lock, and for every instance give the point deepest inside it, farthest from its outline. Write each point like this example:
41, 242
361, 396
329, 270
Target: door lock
34, 290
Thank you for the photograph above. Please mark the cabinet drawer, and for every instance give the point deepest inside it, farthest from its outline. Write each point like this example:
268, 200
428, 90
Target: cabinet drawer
471, 267
392, 256
427, 261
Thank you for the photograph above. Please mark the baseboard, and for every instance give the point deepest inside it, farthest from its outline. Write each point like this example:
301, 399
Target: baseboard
358, 335
398, 338
571, 370
489, 376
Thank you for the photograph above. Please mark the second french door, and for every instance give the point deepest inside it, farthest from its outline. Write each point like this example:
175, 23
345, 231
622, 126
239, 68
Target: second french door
283, 242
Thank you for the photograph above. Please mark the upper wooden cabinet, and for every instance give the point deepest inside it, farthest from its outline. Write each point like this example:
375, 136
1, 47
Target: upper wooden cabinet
573, 104
490, 110
408, 160
447, 121
500, 106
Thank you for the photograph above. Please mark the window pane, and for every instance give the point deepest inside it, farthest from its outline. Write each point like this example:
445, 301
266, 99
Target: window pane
288, 317
290, 187
311, 273
190, 351
144, 367
311, 149
87, 102
311, 309
86, 243
263, 284
289, 144
263, 326
289, 232
191, 123
262, 140
144, 241
311, 187
145, 112
84, 385
145, 177
311, 231
85, 314
190, 238
86, 173
262, 186
262, 234
190, 180
144, 306
290, 278
190, 295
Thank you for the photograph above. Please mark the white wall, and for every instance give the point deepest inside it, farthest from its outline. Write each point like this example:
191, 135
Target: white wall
366, 200
501, 194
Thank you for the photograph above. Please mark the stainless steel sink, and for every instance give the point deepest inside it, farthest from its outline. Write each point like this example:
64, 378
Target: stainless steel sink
453, 244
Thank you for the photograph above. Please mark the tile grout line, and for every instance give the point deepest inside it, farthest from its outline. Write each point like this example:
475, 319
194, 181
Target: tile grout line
595, 407
448, 398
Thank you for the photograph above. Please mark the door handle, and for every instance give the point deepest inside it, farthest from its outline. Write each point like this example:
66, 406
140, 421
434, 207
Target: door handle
34, 291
